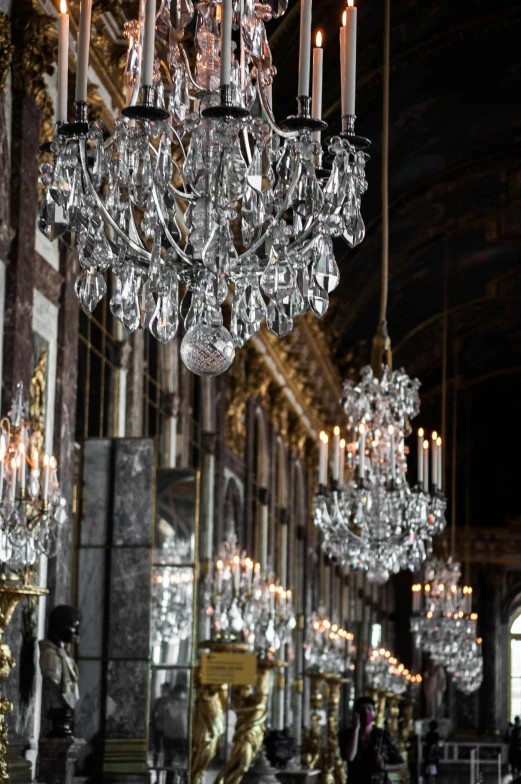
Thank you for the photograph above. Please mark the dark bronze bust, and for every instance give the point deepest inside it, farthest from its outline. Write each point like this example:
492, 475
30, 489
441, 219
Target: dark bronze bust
59, 670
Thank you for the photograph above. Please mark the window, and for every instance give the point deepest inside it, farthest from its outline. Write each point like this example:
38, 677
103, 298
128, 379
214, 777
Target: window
515, 667
376, 635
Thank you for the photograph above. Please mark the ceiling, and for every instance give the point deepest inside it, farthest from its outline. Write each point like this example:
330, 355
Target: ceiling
455, 219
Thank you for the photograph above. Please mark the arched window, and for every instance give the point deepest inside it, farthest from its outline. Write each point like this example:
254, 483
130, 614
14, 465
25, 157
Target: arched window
515, 667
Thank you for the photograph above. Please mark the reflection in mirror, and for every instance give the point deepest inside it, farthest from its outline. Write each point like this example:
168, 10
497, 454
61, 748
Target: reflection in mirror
172, 623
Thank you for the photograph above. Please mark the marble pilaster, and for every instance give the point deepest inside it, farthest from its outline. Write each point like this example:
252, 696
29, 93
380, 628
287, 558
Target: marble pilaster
114, 591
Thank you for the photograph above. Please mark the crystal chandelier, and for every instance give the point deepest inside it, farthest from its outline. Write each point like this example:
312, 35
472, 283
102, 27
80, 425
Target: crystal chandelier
199, 194
31, 506
329, 648
376, 522
247, 605
172, 599
444, 625
382, 671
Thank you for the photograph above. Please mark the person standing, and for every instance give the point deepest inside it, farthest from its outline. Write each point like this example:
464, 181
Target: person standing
372, 753
432, 752
514, 748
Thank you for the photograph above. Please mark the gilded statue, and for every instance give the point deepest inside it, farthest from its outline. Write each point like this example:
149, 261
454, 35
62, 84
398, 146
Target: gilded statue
208, 726
312, 736
251, 709
333, 767
37, 399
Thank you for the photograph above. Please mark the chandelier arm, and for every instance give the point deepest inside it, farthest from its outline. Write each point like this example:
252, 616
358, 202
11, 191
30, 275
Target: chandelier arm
279, 214
192, 80
385, 164
247, 145
169, 237
103, 210
270, 118
179, 141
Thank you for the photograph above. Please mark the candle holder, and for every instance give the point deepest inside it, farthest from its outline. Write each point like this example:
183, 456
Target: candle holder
303, 121
80, 126
146, 111
348, 132
226, 110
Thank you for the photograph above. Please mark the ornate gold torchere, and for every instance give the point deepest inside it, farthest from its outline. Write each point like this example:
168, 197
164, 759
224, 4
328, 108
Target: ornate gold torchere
334, 769
312, 736
209, 717
10, 596
393, 712
379, 698
406, 725
250, 707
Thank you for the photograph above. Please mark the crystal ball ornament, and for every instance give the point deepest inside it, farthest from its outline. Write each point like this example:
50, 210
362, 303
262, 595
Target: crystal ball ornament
207, 350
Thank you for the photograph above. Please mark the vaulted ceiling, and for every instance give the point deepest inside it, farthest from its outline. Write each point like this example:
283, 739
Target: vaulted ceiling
455, 218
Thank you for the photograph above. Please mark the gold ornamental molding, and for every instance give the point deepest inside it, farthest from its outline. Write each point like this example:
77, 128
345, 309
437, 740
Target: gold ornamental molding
6, 49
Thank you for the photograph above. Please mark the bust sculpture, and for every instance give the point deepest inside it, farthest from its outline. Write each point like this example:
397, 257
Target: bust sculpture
59, 670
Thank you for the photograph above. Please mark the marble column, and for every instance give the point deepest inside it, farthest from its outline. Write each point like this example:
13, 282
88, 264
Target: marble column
114, 593
134, 387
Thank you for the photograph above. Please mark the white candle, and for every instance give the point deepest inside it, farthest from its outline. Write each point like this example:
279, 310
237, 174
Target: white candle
393, 455
226, 41
63, 62
322, 464
420, 455
416, 589
440, 475
22, 465
149, 49
82, 54
348, 59
426, 466
434, 460
336, 453
249, 572
272, 598
219, 579
304, 59
236, 572
13, 479
341, 471
316, 94
361, 452
46, 473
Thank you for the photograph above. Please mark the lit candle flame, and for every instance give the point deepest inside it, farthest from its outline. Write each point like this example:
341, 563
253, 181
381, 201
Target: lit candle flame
350, 4
336, 429
420, 432
344, 18
63, 6
319, 44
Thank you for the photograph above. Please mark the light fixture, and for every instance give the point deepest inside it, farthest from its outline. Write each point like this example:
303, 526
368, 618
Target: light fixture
329, 647
31, 505
199, 194
377, 523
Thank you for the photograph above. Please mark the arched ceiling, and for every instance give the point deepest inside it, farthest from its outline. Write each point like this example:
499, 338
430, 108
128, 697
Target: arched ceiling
455, 212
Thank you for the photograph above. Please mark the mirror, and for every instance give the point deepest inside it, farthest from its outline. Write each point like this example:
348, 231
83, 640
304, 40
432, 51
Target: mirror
173, 621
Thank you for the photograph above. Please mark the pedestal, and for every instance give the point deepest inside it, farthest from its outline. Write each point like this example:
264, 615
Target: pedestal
58, 757
261, 771
298, 776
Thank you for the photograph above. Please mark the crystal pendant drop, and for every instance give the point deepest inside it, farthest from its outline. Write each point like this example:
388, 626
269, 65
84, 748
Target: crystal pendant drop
90, 288
318, 298
277, 321
165, 319
207, 350
325, 268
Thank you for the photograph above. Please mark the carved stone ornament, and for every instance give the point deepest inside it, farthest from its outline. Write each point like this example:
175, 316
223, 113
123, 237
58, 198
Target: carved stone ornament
6, 49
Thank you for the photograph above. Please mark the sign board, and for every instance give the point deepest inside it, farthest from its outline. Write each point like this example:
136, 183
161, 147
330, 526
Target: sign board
235, 669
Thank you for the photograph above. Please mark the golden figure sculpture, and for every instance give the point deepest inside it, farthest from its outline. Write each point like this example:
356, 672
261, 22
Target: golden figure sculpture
312, 736
208, 726
250, 706
334, 770
393, 711
37, 400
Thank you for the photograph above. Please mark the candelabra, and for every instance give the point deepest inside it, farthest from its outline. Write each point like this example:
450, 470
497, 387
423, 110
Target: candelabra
201, 190
31, 506
444, 625
329, 647
375, 521
172, 598
384, 673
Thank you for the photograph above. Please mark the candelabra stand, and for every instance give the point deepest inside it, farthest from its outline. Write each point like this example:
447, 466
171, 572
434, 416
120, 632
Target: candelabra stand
312, 737
250, 707
10, 596
379, 698
209, 722
334, 769
393, 713
406, 725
